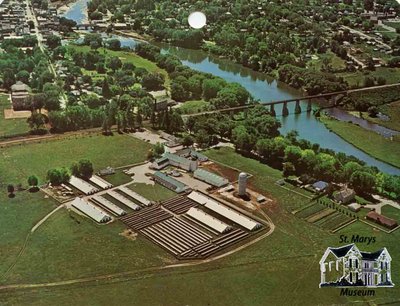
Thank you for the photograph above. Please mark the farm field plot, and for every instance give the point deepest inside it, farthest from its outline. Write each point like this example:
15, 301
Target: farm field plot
320, 215
18, 162
310, 210
10, 126
334, 221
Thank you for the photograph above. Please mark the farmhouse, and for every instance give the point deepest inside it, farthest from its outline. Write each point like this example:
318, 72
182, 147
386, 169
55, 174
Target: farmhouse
20, 96
348, 266
90, 210
382, 220
345, 196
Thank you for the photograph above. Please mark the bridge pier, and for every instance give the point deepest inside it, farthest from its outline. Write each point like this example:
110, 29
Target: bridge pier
309, 106
272, 110
285, 110
297, 109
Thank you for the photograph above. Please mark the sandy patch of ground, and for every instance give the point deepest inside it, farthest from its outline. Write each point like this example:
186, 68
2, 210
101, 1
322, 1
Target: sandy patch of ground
138, 174
129, 234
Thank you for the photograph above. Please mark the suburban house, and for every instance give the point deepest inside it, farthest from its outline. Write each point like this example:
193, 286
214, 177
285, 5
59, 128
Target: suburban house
345, 196
348, 266
382, 220
20, 96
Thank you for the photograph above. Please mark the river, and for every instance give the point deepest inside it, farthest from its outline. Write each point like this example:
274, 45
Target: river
264, 89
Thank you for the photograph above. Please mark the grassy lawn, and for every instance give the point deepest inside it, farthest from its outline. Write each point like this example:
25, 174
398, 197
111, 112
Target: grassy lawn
70, 246
128, 57
152, 192
17, 217
335, 61
18, 162
356, 79
281, 269
192, 107
391, 212
368, 141
10, 126
393, 111
119, 178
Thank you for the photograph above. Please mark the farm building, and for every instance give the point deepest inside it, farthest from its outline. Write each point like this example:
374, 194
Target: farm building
208, 220
224, 211
119, 197
170, 159
169, 182
135, 196
20, 96
108, 205
190, 152
82, 185
354, 207
345, 196
100, 182
210, 178
90, 210
382, 220
320, 186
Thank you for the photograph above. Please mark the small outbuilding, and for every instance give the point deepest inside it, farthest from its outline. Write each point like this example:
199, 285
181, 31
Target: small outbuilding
345, 196
320, 186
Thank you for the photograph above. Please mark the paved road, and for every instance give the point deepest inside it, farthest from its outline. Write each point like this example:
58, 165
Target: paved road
367, 36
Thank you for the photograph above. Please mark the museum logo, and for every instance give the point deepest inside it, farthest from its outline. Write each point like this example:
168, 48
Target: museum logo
347, 266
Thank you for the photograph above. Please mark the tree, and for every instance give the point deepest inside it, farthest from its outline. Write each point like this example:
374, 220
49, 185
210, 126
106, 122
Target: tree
105, 91
158, 149
53, 41
114, 44
33, 182
83, 169
153, 81
363, 182
288, 169
37, 122
11, 190
114, 63
58, 176
187, 140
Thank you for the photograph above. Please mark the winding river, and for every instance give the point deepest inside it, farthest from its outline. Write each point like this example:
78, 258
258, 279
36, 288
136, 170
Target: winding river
265, 89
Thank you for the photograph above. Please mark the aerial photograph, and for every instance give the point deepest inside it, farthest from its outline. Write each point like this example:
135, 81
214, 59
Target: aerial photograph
199, 153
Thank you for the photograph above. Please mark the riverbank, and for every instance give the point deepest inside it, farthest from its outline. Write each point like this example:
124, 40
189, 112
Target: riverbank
383, 149
391, 110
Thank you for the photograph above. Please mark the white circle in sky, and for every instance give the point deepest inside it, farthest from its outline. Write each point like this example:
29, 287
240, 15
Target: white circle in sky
197, 20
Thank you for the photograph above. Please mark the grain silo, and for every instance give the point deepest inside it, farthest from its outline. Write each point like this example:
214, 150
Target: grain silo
242, 184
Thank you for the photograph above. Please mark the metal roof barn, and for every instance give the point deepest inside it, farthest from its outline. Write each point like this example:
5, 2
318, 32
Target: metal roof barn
90, 210
208, 220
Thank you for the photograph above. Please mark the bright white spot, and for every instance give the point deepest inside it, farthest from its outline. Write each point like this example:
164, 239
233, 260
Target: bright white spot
197, 20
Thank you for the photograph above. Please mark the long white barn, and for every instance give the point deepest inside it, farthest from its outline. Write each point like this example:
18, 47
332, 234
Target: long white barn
224, 211
82, 185
90, 210
208, 220
108, 205
135, 195
123, 200
100, 182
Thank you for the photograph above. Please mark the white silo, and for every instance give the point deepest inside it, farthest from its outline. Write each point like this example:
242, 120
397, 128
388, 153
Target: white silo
242, 184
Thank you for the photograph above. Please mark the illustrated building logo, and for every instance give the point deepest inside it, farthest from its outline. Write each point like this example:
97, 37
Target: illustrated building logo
347, 266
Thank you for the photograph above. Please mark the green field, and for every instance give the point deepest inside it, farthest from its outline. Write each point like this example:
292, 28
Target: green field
10, 126
192, 107
261, 274
18, 162
152, 192
391, 212
368, 141
393, 111
356, 79
128, 57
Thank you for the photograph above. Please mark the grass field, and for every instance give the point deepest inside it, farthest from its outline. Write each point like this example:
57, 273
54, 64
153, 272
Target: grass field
192, 107
356, 79
10, 126
368, 141
18, 162
281, 269
391, 212
128, 57
393, 111
152, 192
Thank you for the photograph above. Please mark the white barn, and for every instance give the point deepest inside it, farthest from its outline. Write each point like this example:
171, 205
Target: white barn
208, 220
100, 182
82, 185
135, 195
103, 202
90, 210
123, 200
